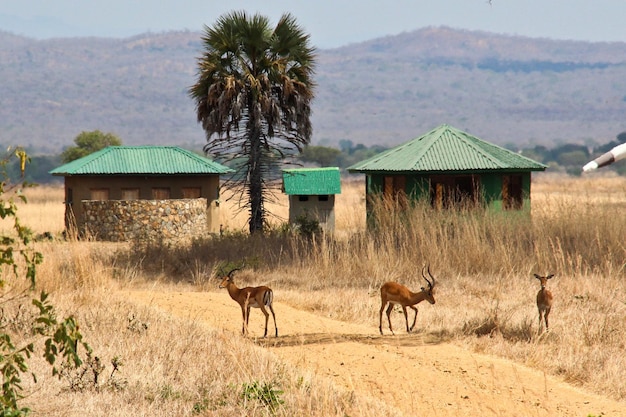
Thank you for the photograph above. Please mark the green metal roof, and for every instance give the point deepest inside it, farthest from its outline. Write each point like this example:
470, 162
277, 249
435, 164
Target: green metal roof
141, 160
446, 149
312, 181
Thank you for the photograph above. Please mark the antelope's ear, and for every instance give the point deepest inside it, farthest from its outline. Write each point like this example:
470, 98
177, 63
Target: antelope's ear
537, 276
549, 276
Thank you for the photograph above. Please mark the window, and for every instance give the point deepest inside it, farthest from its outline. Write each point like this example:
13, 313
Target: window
454, 191
322, 197
99, 194
130, 193
191, 192
512, 192
160, 193
303, 198
394, 190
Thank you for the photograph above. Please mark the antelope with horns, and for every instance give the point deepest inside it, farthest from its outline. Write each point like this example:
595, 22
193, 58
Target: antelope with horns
257, 297
544, 300
393, 293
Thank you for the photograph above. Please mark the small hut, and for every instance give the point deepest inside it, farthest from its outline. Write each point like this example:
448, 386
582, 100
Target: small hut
127, 192
311, 194
450, 167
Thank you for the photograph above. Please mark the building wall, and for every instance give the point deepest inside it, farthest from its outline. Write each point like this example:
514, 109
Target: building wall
145, 220
322, 211
78, 188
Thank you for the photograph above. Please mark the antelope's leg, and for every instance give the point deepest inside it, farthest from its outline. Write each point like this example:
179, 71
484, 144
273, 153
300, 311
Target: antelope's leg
243, 315
380, 317
389, 316
247, 317
414, 318
274, 317
267, 316
406, 319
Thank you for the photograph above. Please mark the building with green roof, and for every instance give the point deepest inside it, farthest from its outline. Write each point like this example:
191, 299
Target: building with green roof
449, 167
130, 173
311, 194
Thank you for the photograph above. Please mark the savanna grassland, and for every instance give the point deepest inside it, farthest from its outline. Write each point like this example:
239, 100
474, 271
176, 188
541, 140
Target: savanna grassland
157, 364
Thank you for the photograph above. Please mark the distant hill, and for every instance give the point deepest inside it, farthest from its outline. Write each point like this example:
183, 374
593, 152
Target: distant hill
509, 90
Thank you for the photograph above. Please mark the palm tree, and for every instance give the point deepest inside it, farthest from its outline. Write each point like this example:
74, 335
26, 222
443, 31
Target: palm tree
253, 96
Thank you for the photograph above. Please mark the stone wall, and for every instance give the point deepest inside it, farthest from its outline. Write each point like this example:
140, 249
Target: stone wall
145, 220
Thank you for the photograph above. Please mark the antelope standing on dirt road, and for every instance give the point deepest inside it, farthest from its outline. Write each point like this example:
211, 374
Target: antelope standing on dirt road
257, 297
393, 293
544, 300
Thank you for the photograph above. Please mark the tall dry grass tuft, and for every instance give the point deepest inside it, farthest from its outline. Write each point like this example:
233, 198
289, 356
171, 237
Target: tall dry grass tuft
77, 265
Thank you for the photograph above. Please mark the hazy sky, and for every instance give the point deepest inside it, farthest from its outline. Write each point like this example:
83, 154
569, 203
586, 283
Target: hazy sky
331, 23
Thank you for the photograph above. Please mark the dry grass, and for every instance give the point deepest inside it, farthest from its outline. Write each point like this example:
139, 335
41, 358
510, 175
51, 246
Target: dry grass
485, 298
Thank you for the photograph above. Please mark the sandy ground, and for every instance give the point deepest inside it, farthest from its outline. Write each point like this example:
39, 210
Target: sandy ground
416, 373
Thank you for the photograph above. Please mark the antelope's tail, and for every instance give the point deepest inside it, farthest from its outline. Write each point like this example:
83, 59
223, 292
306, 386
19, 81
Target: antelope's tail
268, 297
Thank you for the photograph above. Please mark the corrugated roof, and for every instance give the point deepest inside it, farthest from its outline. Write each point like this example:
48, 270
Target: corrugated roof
312, 181
447, 149
141, 160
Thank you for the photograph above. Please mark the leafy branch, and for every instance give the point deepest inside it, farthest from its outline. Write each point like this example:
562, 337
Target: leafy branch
61, 338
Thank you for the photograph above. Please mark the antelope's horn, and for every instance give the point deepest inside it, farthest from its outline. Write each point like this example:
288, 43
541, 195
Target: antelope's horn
430, 284
431, 275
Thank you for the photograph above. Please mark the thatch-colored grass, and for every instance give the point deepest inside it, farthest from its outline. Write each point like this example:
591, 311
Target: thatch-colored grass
485, 296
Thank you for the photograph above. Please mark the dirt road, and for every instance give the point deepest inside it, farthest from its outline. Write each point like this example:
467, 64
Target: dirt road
416, 373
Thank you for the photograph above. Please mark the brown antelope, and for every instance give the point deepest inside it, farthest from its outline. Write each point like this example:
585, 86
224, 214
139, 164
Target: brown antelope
257, 297
394, 293
544, 300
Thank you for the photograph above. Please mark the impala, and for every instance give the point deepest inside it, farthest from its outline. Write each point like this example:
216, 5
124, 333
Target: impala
544, 300
257, 297
393, 293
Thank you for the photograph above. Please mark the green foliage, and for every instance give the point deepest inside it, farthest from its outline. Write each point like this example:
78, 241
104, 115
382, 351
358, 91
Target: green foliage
307, 226
39, 168
13, 363
351, 154
321, 155
88, 143
266, 394
570, 157
253, 101
61, 338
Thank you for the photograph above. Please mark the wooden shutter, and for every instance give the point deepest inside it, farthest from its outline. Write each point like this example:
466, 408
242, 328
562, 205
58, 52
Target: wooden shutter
160, 193
191, 192
130, 193
99, 194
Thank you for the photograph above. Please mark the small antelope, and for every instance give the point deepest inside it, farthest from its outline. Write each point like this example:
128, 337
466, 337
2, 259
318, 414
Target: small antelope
257, 297
394, 293
544, 300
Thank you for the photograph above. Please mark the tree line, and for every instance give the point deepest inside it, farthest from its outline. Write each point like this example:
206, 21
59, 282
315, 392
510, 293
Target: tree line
567, 157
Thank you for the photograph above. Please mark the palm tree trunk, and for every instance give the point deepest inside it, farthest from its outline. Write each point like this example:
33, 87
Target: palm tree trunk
255, 172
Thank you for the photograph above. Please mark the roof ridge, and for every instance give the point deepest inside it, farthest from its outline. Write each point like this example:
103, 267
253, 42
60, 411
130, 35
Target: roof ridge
428, 143
477, 144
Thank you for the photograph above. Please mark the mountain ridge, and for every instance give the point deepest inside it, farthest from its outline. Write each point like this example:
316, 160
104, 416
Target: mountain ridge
510, 90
